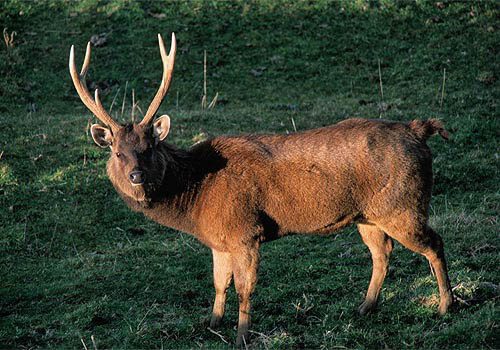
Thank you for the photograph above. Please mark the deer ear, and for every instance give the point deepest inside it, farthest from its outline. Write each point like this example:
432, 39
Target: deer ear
102, 136
161, 127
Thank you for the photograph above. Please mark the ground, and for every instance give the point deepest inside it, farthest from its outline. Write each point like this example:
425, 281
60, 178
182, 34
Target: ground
76, 262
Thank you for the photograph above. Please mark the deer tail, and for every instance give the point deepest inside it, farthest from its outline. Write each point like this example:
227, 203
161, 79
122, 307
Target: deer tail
424, 129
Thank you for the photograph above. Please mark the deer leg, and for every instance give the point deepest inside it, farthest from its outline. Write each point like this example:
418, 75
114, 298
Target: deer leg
222, 279
380, 246
435, 255
245, 265
423, 240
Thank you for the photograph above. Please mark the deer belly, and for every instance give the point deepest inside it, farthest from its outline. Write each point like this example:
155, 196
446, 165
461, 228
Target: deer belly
318, 208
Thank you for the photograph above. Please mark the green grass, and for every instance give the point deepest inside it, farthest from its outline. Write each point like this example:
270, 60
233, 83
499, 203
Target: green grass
76, 262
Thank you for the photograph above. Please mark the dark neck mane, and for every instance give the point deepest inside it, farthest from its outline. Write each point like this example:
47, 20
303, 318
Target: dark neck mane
186, 170
180, 173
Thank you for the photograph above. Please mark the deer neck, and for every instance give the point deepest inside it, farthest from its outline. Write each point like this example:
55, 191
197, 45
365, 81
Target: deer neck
171, 203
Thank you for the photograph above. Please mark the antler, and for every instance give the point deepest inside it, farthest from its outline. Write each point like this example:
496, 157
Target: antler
95, 106
168, 67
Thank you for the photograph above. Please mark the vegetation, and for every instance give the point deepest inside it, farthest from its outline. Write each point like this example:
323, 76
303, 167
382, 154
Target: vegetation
76, 262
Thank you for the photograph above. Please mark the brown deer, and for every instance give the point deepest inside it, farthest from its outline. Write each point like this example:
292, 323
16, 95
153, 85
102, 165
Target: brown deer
234, 193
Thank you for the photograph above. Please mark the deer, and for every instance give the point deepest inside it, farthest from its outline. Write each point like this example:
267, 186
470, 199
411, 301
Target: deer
234, 193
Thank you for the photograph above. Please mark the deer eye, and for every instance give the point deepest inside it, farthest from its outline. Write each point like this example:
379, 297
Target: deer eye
118, 154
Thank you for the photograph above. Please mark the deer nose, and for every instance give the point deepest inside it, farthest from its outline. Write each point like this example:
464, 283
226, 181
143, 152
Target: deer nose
136, 177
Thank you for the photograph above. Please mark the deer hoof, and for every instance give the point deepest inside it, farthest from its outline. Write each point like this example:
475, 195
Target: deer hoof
366, 308
215, 322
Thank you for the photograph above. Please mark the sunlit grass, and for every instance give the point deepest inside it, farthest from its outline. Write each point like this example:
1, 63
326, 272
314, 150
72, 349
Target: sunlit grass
6, 176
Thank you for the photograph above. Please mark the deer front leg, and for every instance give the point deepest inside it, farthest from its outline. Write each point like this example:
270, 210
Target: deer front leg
245, 264
222, 279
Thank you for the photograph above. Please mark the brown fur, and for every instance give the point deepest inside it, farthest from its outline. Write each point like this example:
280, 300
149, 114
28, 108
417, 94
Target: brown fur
234, 193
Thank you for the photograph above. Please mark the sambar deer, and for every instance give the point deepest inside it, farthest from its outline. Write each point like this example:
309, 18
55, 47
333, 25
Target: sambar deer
234, 193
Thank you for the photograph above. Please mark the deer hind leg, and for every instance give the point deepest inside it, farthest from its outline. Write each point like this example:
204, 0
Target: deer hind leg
223, 272
245, 265
423, 240
380, 246
436, 257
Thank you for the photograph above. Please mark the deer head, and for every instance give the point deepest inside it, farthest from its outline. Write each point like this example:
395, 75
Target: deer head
135, 166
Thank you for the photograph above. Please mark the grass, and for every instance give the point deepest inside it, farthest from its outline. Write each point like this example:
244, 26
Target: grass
76, 262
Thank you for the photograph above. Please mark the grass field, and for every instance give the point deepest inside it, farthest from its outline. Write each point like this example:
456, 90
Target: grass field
76, 262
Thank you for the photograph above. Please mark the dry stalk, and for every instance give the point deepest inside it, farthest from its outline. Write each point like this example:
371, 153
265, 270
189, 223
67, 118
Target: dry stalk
293, 124
87, 128
214, 101
114, 99
380, 82
133, 106
140, 110
442, 88
8, 39
124, 97
139, 326
204, 98
186, 242
381, 86
218, 334
93, 342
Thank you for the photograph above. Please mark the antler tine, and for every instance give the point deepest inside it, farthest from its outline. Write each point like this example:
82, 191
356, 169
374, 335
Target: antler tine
81, 88
168, 68
86, 63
